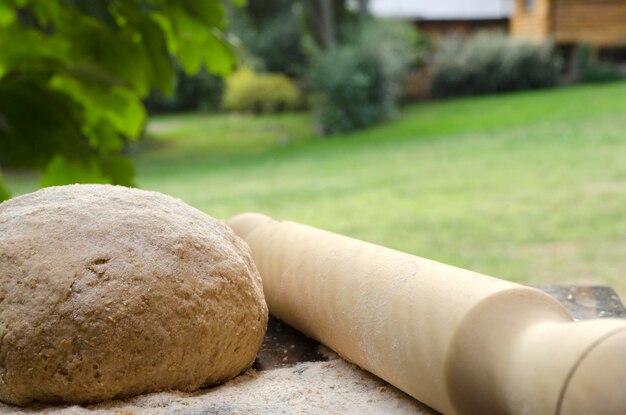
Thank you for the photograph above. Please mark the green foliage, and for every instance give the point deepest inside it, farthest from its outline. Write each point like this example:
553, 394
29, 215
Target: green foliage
72, 75
587, 70
198, 92
492, 62
358, 83
249, 91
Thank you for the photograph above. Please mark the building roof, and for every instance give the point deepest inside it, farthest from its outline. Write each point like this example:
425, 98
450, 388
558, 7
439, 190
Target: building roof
442, 9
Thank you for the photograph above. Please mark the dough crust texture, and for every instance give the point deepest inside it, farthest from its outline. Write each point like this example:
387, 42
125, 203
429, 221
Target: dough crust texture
108, 292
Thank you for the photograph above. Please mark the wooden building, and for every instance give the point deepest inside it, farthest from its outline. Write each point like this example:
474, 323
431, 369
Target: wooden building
600, 23
437, 19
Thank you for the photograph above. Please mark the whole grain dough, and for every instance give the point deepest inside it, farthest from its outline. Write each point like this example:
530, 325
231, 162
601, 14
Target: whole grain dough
108, 292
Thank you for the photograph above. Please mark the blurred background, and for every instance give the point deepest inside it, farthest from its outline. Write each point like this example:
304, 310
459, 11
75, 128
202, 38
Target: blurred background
487, 134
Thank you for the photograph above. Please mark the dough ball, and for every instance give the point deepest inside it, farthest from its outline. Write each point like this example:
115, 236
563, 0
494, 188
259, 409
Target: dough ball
108, 292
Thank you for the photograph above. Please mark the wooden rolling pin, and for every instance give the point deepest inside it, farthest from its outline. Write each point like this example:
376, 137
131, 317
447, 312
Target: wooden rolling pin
459, 341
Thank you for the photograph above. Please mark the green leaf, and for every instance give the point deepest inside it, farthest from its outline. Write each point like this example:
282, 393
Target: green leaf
33, 51
4, 193
92, 74
61, 171
37, 123
218, 56
120, 170
103, 137
124, 110
208, 12
118, 106
162, 70
112, 170
7, 14
98, 9
167, 27
198, 47
47, 13
118, 52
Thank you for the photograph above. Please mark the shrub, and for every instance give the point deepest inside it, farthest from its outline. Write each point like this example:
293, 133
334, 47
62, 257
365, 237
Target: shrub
202, 91
249, 91
492, 62
603, 72
358, 83
586, 70
351, 90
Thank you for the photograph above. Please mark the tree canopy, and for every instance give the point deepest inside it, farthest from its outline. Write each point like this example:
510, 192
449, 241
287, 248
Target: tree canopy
73, 73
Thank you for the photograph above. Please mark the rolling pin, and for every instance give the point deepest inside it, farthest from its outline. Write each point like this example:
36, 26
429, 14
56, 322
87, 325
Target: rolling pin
456, 340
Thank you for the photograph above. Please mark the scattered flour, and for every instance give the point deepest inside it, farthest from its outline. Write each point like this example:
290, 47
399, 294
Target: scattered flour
333, 387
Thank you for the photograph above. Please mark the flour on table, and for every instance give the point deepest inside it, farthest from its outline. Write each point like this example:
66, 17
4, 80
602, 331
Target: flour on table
333, 387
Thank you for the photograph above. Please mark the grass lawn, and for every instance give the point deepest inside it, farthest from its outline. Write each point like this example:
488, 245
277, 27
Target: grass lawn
529, 187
